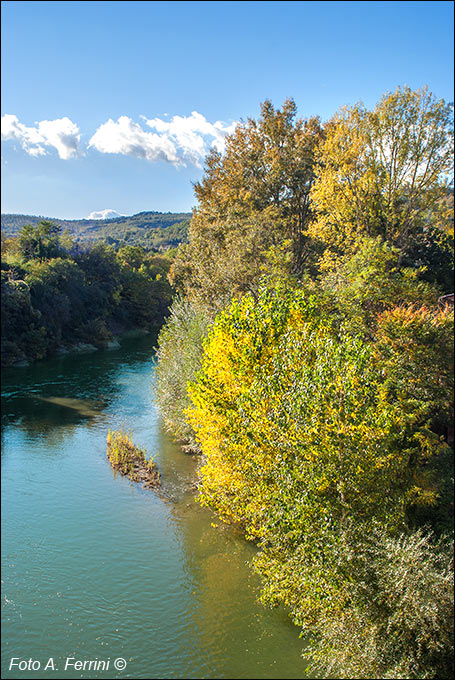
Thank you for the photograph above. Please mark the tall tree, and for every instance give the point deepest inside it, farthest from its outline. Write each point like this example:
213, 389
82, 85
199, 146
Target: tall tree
40, 242
263, 177
384, 172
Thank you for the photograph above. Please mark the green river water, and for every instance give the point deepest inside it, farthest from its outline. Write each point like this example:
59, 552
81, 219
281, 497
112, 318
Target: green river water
96, 568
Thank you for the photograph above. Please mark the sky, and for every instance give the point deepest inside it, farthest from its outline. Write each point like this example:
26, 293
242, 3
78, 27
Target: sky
114, 105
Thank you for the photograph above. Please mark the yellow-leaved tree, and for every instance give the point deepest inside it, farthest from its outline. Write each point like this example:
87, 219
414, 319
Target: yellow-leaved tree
384, 172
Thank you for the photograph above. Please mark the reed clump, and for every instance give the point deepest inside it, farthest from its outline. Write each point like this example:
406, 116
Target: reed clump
130, 460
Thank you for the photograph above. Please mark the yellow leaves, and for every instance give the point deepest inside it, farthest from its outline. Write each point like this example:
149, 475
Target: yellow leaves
375, 167
422, 497
324, 485
285, 409
296, 319
384, 461
220, 353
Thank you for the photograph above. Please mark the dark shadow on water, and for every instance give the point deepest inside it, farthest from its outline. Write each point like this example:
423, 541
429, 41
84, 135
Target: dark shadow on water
67, 390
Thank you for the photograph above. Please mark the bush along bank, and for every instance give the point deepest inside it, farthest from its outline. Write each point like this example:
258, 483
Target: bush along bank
320, 388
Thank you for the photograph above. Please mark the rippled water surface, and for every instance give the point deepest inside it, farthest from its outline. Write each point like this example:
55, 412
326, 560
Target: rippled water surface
94, 567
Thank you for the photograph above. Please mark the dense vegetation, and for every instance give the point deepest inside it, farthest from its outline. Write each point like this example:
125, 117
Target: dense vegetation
159, 231
310, 360
56, 295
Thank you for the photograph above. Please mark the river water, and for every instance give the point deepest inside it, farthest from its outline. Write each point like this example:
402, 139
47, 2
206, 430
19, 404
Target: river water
97, 569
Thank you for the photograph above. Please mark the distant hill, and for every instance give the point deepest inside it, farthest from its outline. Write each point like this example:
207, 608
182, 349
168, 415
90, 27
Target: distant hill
149, 229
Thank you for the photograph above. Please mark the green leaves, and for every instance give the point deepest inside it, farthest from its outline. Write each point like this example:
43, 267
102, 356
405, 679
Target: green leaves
321, 398
311, 437
77, 296
179, 361
396, 620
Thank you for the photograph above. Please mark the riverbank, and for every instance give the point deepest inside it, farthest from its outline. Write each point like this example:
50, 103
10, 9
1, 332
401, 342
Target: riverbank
86, 347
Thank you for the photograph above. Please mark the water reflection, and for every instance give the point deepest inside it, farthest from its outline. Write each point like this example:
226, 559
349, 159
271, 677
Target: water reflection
50, 398
50, 418
222, 586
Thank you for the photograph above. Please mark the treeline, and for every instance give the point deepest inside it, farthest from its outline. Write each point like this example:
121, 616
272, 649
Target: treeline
56, 295
309, 359
150, 230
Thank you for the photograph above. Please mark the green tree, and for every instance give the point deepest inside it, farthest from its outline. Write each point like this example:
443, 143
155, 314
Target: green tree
369, 281
131, 256
179, 357
303, 441
398, 618
430, 250
58, 292
40, 242
23, 333
414, 346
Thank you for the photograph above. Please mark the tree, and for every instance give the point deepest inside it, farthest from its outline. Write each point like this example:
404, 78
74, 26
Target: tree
383, 172
264, 176
367, 282
40, 242
131, 256
232, 258
179, 361
305, 441
398, 618
414, 347
430, 249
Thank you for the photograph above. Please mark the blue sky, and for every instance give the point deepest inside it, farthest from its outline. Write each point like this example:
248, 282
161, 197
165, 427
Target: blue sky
114, 104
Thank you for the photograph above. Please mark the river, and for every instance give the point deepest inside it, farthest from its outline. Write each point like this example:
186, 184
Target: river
97, 569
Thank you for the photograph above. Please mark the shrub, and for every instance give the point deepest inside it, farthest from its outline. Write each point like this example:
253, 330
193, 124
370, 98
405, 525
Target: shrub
398, 617
414, 347
179, 360
306, 447
369, 281
294, 422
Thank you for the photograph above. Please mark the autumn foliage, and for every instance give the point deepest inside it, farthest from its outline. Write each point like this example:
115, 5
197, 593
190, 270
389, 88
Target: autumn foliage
321, 396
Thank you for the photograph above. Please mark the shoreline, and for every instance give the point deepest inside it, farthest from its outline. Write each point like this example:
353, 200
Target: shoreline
85, 347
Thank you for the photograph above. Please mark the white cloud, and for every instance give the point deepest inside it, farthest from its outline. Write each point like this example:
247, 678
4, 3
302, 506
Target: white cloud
106, 214
182, 140
193, 135
61, 134
128, 138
